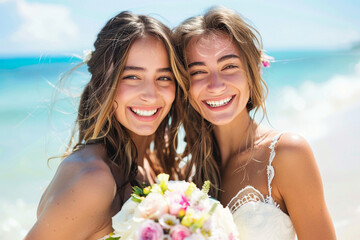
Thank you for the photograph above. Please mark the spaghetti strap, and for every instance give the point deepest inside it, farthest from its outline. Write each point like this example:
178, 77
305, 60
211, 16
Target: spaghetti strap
270, 169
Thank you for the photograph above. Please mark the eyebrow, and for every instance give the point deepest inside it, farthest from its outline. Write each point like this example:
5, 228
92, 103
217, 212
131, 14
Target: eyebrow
196, 64
226, 57
223, 58
144, 69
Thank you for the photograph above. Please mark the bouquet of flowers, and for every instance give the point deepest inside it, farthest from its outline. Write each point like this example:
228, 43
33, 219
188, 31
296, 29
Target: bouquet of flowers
173, 210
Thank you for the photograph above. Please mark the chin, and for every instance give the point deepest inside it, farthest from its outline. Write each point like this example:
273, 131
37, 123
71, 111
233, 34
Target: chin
144, 131
219, 121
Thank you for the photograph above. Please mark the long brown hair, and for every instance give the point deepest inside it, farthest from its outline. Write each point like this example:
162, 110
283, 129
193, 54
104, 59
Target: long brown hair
201, 143
96, 121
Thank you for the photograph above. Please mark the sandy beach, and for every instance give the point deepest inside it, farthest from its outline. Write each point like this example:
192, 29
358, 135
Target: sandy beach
338, 155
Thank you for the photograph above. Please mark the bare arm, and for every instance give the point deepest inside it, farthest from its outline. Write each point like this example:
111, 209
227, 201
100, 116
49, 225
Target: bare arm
300, 185
77, 204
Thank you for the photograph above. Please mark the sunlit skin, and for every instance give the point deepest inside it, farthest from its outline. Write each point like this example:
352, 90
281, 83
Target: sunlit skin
79, 201
146, 89
219, 91
219, 87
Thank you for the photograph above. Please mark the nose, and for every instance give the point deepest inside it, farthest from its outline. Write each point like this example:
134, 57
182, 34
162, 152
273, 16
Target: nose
215, 84
148, 92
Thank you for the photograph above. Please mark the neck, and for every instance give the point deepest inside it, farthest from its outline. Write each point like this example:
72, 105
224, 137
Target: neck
235, 137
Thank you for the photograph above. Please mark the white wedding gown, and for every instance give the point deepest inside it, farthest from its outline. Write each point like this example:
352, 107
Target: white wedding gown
258, 217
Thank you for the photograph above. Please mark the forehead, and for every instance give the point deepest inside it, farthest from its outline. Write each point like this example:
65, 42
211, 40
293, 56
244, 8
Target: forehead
210, 46
148, 43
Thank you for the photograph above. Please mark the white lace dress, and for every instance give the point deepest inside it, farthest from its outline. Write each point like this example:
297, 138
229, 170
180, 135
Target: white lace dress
258, 217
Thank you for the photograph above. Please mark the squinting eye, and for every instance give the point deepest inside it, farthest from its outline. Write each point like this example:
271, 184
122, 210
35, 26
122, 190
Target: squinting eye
230, 67
196, 73
164, 78
131, 77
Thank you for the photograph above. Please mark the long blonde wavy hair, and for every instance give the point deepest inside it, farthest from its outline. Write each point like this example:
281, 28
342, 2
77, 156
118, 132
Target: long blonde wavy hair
96, 121
201, 145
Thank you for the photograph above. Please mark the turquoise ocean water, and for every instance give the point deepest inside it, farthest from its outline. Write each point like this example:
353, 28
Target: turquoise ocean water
33, 127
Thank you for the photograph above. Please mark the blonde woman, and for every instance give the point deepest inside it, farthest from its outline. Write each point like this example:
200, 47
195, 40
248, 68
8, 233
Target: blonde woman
128, 103
269, 180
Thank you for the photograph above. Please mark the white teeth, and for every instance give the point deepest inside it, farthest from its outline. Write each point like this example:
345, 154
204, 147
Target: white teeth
144, 112
219, 103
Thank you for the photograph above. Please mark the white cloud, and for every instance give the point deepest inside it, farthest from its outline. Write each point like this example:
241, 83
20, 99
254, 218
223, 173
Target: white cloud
45, 25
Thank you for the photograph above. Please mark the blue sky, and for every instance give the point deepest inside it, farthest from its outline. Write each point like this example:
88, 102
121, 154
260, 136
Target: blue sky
32, 27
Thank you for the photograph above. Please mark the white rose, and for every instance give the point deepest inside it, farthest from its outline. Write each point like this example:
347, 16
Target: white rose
123, 222
152, 207
223, 219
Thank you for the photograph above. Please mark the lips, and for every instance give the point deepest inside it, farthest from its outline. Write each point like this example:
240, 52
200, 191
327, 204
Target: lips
219, 102
145, 114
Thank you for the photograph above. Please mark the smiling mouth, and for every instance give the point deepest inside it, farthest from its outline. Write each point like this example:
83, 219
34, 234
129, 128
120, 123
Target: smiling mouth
144, 113
219, 103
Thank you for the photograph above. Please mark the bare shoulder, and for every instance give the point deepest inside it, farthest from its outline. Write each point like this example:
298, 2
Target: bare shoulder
292, 142
293, 150
86, 169
294, 161
80, 194
80, 170
298, 181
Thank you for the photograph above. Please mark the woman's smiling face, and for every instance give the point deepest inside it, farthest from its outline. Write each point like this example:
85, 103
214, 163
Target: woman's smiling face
219, 88
146, 89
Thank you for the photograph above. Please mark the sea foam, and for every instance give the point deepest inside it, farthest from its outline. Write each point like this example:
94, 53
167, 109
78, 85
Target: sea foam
307, 108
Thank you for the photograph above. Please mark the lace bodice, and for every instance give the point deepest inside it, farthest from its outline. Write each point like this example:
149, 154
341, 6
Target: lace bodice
258, 217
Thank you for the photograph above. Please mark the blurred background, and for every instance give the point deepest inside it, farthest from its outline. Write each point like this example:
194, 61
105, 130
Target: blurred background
314, 88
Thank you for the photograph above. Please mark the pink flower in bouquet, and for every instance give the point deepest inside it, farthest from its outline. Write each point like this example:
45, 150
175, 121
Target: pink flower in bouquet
150, 230
153, 206
179, 232
177, 202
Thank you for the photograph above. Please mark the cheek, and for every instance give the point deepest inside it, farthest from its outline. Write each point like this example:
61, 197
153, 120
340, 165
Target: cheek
172, 94
246, 90
194, 96
193, 100
169, 94
194, 90
120, 100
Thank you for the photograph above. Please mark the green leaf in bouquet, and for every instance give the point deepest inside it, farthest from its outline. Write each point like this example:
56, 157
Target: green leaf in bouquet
111, 237
137, 191
214, 206
136, 198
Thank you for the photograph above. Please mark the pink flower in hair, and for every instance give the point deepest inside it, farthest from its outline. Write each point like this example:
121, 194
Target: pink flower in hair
266, 63
266, 59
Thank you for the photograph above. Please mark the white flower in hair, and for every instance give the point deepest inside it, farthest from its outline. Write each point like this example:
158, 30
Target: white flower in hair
87, 54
